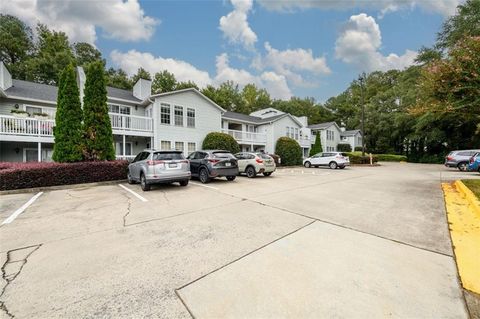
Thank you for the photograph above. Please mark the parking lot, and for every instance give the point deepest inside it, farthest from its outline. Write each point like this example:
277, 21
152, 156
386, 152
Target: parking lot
368, 242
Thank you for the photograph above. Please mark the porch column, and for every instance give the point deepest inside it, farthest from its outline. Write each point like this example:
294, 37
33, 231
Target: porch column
39, 158
123, 146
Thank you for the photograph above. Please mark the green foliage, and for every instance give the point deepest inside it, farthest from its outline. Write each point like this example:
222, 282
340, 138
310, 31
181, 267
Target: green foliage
97, 128
15, 44
344, 147
86, 53
164, 82
253, 99
68, 119
186, 85
227, 95
358, 149
289, 151
118, 79
316, 113
220, 141
391, 158
317, 146
141, 74
357, 158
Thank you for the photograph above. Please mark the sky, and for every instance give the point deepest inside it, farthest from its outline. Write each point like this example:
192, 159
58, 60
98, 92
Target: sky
309, 48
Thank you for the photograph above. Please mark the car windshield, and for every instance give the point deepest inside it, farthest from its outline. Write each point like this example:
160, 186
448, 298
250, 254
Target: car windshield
264, 156
167, 156
223, 155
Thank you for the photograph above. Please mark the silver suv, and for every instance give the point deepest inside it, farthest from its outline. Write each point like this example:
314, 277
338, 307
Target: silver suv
152, 167
459, 159
255, 163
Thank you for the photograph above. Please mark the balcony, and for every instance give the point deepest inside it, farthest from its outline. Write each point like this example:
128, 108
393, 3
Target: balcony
243, 137
26, 129
131, 124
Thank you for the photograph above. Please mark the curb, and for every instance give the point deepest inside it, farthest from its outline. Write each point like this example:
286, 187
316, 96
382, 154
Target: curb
469, 196
58, 187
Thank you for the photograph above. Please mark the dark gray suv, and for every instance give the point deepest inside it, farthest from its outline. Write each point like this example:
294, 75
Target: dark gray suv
213, 163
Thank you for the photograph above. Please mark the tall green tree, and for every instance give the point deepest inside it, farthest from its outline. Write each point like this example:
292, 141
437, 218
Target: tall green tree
86, 53
186, 85
53, 54
68, 119
227, 95
141, 74
118, 78
97, 128
317, 146
254, 99
16, 44
164, 82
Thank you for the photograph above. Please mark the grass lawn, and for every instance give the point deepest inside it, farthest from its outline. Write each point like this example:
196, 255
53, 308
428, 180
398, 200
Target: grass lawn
474, 185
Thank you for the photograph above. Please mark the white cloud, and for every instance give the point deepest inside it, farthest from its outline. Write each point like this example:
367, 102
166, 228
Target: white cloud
132, 60
359, 42
290, 62
235, 25
118, 19
276, 84
443, 7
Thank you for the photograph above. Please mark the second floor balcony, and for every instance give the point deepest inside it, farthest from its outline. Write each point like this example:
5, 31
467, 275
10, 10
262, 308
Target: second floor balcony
243, 137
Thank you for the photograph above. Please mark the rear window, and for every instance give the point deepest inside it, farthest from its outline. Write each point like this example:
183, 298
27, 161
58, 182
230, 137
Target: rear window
464, 153
264, 156
223, 155
344, 154
167, 156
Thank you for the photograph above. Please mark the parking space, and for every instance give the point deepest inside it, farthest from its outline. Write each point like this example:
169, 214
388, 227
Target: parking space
103, 251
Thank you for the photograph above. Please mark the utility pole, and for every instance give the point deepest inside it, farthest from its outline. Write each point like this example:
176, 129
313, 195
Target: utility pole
362, 79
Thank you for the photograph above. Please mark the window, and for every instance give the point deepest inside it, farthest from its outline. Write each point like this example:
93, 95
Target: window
165, 145
167, 156
178, 115
119, 109
179, 146
190, 117
50, 111
330, 135
288, 132
119, 148
296, 133
191, 147
164, 113
148, 111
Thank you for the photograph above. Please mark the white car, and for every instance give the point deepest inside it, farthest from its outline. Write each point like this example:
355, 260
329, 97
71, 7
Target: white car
331, 159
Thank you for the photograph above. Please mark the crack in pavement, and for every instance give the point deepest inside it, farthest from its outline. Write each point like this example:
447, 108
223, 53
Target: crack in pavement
129, 206
9, 278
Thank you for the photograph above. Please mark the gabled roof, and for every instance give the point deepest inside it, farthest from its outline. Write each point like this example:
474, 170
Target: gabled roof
255, 119
48, 93
350, 133
322, 126
187, 90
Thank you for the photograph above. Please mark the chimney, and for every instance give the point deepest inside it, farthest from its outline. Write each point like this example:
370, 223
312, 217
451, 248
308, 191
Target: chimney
5, 77
81, 82
142, 89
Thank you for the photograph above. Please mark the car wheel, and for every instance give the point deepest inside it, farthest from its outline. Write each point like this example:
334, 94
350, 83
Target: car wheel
333, 165
143, 183
203, 176
130, 179
231, 178
250, 172
267, 174
184, 183
307, 164
462, 166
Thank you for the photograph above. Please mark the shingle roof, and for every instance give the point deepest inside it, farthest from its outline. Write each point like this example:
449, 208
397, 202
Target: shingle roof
32, 90
350, 133
320, 126
252, 119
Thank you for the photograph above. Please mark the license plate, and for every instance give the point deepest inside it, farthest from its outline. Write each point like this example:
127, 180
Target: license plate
228, 164
172, 165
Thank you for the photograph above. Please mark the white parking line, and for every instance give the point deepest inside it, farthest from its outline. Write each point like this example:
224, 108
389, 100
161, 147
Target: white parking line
143, 199
21, 209
196, 184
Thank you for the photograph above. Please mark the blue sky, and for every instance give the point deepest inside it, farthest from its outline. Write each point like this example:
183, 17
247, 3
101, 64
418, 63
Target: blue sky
309, 48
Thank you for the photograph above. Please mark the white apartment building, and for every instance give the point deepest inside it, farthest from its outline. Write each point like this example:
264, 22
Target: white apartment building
331, 135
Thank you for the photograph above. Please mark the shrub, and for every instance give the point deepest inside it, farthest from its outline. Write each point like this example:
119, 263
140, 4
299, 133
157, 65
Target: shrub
344, 147
220, 141
276, 159
358, 149
40, 174
317, 147
289, 151
391, 158
356, 158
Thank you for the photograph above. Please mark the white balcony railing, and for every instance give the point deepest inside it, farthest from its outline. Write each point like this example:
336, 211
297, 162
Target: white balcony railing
26, 126
247, 137
131, 122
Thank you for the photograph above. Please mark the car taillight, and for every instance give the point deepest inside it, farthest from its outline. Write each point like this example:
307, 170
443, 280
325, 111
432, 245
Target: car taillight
184, 161
471, 160
259, 160
213, 161
151, 163
449, 158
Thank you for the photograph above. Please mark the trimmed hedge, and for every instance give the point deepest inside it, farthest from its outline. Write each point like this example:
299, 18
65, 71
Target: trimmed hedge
356, 158
391, 158
289, 151
35, 174
344, 147
220, 141
358, 149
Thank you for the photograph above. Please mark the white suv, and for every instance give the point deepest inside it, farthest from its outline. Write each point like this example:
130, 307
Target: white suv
331, 159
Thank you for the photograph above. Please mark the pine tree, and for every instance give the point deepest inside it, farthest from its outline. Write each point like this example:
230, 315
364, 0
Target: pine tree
68, 119
97, 128
317, 147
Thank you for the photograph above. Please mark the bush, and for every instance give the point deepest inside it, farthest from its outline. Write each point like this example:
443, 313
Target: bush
220, 141
343, 147
427, 159
391, 158
38, 174
356, 158
289, 151
276, 159
358, 149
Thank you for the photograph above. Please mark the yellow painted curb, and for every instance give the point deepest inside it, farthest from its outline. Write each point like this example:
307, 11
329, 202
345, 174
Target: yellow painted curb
469, 196
464, 226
